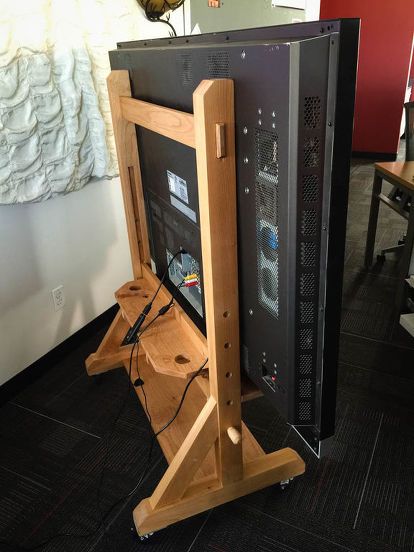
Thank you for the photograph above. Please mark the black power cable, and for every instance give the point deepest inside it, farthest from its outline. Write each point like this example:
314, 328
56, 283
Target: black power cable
155, 14
133, 331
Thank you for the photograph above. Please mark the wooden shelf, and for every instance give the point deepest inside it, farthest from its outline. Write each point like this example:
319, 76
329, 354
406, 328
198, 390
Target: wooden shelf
164, 394
162, 343
166, 343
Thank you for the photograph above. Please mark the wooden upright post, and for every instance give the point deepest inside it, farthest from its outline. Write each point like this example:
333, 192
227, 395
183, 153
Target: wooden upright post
214, 108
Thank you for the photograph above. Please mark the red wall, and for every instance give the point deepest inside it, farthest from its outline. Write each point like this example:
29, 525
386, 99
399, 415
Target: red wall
384, 59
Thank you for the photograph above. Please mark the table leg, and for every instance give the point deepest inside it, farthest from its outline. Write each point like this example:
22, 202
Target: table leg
405, 260
373, 219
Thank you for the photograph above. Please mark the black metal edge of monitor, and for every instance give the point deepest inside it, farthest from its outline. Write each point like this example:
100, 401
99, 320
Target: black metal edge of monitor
345, 100
348, 58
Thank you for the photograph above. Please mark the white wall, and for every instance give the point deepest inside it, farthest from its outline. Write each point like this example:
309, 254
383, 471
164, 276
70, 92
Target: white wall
312, 10
79, 241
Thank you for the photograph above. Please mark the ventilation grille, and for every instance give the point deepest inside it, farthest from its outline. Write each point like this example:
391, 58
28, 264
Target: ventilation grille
309, 223
305, 364
305, 412
310, 188
267, 206
312, 112
306, 338
307, 284
267, 155
311, 151
308, 254
309, 214
307, 312
185, 68
305, 389
218, 65
267, 201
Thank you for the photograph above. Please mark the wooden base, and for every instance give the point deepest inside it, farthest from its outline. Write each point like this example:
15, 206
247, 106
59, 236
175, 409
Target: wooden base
262, 472
164, 389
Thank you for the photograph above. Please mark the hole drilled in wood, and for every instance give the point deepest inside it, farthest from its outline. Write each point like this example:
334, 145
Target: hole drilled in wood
229, 375
229, 403
226, 314
227, 345
134, 288
181, 359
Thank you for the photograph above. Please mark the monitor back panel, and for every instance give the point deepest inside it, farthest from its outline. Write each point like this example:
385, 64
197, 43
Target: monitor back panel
285, 95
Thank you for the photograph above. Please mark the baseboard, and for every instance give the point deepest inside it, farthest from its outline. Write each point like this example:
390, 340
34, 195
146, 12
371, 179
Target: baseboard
43, 364
375, 155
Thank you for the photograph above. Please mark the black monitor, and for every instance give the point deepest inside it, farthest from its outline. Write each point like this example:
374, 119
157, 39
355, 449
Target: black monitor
294, 100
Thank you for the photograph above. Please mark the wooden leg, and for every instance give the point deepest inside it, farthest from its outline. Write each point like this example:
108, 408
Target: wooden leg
188, 459
266, 470
109, 354
373, 219
405, 261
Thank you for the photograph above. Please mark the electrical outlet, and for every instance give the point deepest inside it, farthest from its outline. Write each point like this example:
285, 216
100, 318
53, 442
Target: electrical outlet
58, 295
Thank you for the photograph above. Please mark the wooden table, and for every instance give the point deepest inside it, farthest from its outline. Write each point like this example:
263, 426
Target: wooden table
401, 174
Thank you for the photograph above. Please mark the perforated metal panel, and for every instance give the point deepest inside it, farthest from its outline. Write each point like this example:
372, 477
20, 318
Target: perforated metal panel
218, 65
310, 188
309, 223
267, 202
305, 364
312, 152
308, 254
185, 68
307, 312
309, 227
312, 112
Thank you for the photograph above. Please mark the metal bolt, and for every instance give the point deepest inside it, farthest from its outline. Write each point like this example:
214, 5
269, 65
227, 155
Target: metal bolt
246, 160
273, 125
273, 114
243, 54
246, 190
260, 122
251, 312
259, 111
324, 227
264, 353
330, 123
274, 365
245, 130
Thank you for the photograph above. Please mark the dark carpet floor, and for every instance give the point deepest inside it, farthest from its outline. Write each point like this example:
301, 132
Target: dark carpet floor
55, 438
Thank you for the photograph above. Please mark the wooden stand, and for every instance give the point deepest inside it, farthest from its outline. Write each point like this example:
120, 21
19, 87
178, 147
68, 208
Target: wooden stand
213, 458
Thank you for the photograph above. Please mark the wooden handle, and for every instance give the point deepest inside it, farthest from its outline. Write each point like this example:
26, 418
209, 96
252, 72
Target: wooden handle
235, 435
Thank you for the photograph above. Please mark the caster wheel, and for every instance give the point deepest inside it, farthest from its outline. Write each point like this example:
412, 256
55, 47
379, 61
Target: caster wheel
381, 258
144, 538
284, 484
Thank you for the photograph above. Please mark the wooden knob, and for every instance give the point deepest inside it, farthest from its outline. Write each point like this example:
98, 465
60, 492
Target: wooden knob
235, 435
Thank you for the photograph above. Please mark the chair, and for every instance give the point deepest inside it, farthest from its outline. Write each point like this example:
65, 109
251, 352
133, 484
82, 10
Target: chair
397, 196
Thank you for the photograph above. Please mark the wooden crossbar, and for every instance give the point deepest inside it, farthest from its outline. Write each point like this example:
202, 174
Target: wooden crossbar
170, 123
